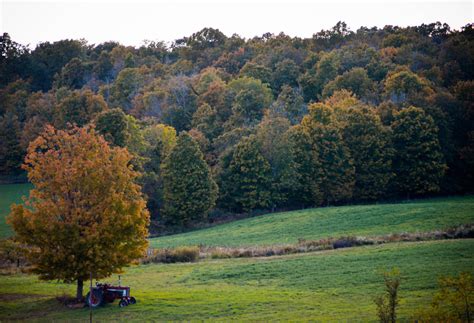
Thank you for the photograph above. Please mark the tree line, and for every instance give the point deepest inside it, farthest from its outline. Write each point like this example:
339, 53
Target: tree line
272, 122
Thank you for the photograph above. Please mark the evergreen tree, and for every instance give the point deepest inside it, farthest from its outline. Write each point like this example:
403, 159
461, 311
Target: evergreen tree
247, 182
160, 140
418, 160
189, 191
369, 145
337, 170
307, 175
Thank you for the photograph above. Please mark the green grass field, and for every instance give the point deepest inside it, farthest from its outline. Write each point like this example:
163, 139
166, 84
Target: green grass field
363, 220
333, 285
10, 194
337, 285
288, 227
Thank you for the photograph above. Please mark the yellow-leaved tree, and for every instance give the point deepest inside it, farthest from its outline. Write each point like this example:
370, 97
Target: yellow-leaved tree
85, 213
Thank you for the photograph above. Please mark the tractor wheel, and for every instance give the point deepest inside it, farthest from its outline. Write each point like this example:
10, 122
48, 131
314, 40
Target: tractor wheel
133, 300
123, 303
96, 299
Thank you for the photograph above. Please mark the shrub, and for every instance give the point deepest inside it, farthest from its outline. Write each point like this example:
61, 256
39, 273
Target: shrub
185, 254
388, 302
347, 242
179, 254
220, 253
454, 302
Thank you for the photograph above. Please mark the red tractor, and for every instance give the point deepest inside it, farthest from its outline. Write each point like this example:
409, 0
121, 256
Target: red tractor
106, 293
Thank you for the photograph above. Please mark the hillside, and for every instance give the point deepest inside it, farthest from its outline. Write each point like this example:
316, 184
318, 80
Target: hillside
288, 227
360, 220
321, 286
10, 194
383, 113
315, 163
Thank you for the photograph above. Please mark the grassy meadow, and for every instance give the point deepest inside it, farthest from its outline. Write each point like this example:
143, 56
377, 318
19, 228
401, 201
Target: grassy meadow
288, 227
360, 220
331, 285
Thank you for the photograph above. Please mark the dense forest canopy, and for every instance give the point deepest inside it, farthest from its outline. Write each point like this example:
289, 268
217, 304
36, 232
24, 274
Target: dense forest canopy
234, 124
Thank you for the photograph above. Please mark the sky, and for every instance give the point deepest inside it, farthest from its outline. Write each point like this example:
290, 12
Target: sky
132, 22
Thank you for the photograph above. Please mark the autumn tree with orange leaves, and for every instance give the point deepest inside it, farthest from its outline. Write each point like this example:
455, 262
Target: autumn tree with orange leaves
85, 213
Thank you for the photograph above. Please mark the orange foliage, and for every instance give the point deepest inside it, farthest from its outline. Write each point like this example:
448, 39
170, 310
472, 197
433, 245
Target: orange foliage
85, 212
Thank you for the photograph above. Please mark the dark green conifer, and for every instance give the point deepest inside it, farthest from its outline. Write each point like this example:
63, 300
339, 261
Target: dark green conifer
189, 192
418, 161
249, 177
307, 171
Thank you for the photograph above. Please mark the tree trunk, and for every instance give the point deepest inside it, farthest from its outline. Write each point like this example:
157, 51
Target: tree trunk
80, 287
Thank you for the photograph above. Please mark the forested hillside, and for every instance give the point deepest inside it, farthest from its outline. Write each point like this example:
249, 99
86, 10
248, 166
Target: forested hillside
220, 124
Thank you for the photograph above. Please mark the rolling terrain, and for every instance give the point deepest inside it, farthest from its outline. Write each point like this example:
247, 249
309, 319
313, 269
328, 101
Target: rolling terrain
361, 220
330, 285
287, 227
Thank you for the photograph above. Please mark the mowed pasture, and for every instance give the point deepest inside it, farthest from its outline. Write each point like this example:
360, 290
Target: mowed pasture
330, 286
359, 220
335, 285
287, 227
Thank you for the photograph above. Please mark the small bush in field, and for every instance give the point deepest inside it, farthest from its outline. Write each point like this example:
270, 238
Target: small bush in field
388, 302
179, 254
185, 254
220, 254
454, 302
